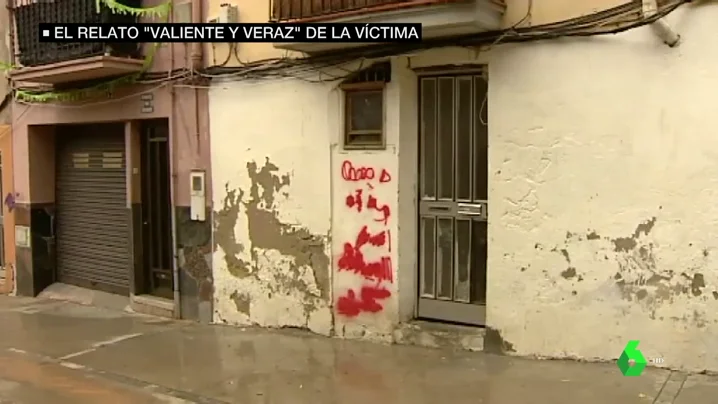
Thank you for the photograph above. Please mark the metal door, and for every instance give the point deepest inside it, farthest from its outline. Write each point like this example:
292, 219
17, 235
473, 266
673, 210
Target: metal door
93, 223
157, 209
453, 198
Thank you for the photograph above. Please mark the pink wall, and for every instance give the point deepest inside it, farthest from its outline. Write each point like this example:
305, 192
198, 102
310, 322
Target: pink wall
189, 119
170, 56
190, 131
8, 215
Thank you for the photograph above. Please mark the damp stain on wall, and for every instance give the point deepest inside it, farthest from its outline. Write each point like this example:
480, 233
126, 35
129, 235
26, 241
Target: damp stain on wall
637, 274
641, 280
305, 264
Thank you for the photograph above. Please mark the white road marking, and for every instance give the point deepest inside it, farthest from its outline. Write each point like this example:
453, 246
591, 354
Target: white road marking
100, 345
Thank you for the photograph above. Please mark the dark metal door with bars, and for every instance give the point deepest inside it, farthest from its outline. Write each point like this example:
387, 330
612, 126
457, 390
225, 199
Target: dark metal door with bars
453, 205
157, 210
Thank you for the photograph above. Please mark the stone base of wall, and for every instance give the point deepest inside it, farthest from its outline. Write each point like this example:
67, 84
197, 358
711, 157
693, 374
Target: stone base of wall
438, 335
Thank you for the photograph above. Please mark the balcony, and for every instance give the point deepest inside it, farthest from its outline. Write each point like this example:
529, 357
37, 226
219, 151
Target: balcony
440, 18
61, 63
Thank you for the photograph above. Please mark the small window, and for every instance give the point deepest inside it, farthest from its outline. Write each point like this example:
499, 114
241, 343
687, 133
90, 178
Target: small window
364, 116
364, 107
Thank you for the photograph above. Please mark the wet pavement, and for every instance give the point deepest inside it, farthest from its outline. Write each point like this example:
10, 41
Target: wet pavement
60, 352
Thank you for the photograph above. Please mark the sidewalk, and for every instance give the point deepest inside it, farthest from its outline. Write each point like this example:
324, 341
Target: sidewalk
58, 352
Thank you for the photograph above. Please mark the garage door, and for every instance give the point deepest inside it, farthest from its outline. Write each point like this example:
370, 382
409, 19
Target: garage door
93, 226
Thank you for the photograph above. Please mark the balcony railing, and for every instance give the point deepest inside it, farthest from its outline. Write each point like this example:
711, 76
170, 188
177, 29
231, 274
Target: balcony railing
31, 52
288, 10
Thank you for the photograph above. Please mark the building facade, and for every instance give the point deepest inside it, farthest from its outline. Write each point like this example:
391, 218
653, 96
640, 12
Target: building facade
7, 228
111, 161
554, 196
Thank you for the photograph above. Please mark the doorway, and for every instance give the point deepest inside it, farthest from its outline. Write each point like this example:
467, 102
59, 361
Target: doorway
453, 205
157, 237
92, 225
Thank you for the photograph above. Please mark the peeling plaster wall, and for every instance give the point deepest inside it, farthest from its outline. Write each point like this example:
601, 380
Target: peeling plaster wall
603, 195
602, 198
303, 238
271, 173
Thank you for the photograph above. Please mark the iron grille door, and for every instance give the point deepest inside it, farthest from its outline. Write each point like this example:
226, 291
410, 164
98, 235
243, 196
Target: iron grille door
93, 223
453, 198
157, 210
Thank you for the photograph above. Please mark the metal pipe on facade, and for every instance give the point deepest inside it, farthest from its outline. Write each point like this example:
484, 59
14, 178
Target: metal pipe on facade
666, 33
175, 263
10, 5
197, 49
173, 206
660, 26
173, 188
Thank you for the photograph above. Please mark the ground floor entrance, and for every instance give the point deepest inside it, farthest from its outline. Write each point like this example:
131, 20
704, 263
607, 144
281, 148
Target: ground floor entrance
453, 207
157, 278
103, 202
92, 223
113, 211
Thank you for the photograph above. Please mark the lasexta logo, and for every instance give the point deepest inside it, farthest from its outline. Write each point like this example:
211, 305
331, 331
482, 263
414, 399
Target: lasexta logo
631, 362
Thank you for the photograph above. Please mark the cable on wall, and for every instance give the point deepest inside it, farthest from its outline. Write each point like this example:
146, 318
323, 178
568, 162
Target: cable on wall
611, 21
615, 20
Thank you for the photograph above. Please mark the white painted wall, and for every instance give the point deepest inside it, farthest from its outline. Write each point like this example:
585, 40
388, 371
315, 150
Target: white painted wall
296, 125
593, 141
604, 178
283, 123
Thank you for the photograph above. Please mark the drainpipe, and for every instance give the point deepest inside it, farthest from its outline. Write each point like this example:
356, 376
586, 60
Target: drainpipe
173, 186
173, 203
197, 64
10, 5
196, 53
660, 26
175, 258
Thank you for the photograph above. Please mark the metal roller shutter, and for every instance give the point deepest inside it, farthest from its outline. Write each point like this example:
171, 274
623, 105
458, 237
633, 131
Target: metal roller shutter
93, 226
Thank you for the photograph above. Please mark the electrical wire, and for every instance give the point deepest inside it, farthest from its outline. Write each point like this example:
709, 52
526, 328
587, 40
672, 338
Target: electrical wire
615, 20
163, 77
229, 53
94, 103
610, 21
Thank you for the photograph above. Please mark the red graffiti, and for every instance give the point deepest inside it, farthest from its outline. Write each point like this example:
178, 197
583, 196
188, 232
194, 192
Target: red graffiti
364, 238
352, 258
351, 173
356, 201
350, 306
354, 174
384, 209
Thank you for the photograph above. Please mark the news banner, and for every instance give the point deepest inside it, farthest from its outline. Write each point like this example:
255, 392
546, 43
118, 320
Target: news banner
236, 33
